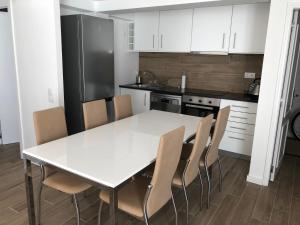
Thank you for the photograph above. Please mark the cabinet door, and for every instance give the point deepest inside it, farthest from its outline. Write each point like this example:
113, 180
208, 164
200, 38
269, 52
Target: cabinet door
211, 29
237, 143
249, 28
140, 99
175, 30
146, 31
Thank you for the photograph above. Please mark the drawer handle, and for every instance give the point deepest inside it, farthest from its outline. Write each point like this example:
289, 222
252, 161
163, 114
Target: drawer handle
239, 117
239, 128
240, 139
239, 106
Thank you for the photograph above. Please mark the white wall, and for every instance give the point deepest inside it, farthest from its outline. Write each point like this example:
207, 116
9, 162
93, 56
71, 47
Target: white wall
9, 109
126, 63
37, 42
270, 93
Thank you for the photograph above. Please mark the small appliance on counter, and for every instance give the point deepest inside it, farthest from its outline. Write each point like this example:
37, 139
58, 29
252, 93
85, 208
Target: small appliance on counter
183, 81
254, 88
138, 79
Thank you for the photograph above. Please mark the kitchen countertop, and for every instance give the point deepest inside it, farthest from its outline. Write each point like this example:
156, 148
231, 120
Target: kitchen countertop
195, 92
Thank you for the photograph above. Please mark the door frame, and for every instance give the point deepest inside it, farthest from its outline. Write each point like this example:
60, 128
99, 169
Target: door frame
291, 6
291, 68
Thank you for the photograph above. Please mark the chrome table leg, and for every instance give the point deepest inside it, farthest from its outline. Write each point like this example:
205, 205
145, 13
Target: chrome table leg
113, 206
29, 192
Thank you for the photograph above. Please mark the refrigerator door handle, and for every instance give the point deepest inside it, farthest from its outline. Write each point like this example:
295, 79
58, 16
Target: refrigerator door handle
83, 60
79, 58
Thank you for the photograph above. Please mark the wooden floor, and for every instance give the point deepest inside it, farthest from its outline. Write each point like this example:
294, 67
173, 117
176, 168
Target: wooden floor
239, 203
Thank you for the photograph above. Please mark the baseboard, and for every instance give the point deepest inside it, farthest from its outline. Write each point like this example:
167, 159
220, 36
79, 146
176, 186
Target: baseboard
256, 180
235, 155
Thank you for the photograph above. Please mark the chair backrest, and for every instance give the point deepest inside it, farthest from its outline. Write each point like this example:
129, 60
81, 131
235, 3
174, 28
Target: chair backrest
50, 125
94, 114
199, 146
167, 160
123, 106
219, 129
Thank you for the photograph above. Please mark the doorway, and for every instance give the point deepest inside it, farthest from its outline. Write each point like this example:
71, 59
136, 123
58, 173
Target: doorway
288, 128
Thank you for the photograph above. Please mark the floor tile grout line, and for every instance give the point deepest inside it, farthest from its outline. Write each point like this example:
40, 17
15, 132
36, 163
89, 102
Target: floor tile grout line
12, 209
219, 206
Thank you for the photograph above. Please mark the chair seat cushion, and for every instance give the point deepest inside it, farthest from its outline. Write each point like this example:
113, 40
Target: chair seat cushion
66, 183
130, 197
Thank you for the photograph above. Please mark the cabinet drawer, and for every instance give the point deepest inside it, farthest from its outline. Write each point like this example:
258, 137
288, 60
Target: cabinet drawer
241, 117
238, 106
241, 128
237, 143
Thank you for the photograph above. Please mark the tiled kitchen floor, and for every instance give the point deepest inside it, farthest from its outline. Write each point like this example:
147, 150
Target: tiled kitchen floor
239, 203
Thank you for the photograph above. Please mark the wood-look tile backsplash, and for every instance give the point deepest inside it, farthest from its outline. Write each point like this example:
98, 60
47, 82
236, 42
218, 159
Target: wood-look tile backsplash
209, 72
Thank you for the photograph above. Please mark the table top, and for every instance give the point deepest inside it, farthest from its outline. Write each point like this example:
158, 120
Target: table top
112, 153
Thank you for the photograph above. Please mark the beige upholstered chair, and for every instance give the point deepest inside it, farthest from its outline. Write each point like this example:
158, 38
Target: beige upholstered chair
123, 106
189, 169
142, 200
94, 113
50, 125
212, 154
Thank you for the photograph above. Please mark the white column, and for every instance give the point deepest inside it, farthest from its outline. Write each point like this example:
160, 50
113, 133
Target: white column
37, 45
9, 109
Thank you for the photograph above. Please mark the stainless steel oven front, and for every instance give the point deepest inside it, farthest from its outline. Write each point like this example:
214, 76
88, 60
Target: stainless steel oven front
165, 102
200, 106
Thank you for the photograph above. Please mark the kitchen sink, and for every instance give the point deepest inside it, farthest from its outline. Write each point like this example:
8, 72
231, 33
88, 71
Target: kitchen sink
141, 85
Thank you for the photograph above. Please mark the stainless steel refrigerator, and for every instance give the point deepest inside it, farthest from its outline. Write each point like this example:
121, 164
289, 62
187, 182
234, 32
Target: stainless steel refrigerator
88, 65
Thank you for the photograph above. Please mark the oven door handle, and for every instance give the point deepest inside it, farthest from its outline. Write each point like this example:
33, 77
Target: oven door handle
199, 107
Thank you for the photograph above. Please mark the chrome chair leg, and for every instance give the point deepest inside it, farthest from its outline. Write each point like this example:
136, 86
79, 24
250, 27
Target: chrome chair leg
175, 210
77, 209
100, 212
220, 175
209, 186
146, 219
187, 202
39, 203
201, 183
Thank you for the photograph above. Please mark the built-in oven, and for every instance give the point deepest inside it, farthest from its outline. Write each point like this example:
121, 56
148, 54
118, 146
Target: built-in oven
165, 102
200, 106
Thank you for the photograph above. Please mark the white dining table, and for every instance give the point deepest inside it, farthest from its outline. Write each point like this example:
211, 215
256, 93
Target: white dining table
109, 155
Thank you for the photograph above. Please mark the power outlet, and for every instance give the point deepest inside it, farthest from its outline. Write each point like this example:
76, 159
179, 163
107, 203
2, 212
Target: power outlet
249, 75
50, 96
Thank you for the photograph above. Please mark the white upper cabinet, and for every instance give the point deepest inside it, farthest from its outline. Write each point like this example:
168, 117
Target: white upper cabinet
239, 29
249, 28
211, 29
175, 30
146, 31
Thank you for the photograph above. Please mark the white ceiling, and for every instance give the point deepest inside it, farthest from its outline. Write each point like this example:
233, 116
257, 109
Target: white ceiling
125, 6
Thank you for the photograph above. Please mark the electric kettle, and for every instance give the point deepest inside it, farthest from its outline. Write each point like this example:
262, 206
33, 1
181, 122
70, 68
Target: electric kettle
254, 87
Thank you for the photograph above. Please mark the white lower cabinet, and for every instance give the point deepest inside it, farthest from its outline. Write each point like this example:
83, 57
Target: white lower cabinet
140, 99
238, 136
241, 128
237, 143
